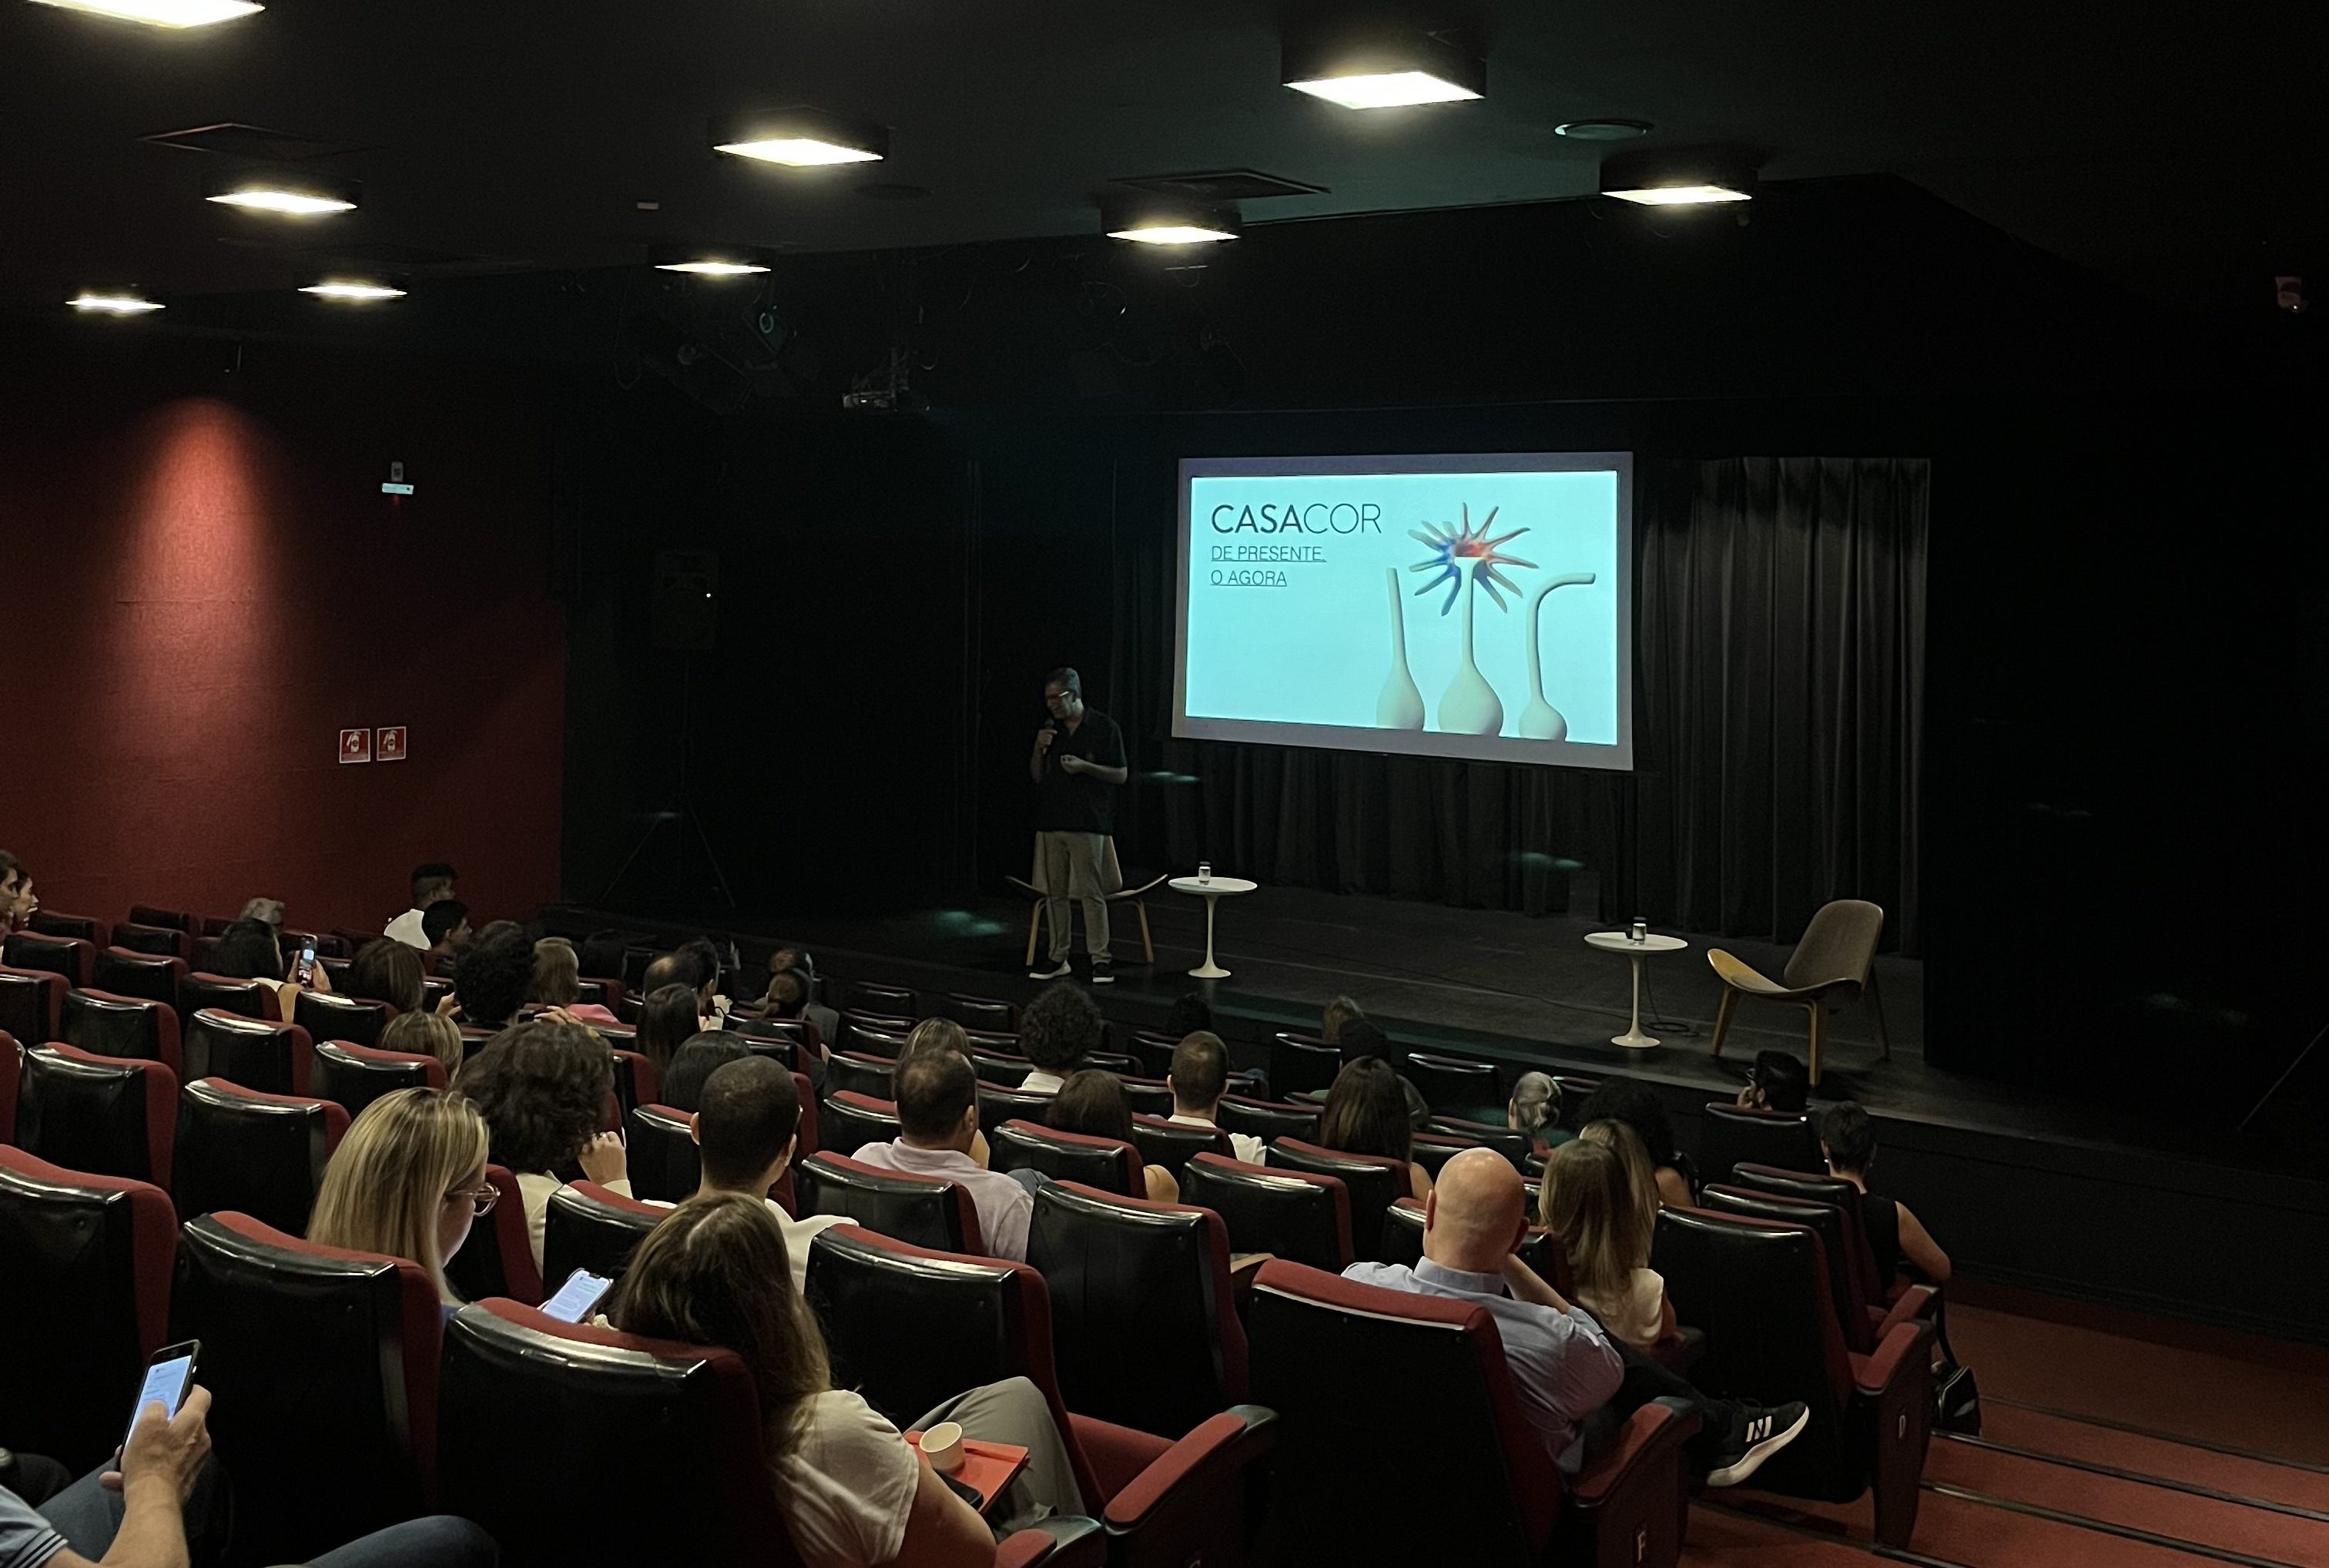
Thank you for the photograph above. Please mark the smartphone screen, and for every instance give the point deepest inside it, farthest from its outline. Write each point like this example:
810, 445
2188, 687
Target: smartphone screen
576, 1296
305, 971
165, 1381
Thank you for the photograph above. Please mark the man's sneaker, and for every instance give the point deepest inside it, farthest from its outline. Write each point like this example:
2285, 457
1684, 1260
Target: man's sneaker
1058, 971
1103, 972
1756, 1434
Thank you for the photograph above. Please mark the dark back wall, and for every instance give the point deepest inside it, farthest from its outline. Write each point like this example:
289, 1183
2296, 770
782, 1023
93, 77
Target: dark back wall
203, 584
2116, 735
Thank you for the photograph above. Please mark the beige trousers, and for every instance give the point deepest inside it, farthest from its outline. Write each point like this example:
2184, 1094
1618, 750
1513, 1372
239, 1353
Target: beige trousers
1073, 867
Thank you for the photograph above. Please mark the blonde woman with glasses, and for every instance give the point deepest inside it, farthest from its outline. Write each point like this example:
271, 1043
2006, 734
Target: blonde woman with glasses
409, 1180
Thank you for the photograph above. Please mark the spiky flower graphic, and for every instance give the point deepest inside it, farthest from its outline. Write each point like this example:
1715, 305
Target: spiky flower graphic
1451, 547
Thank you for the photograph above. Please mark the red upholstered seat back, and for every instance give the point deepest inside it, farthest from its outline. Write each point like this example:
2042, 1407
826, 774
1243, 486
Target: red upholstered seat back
125, 972
498, 1259
849, 1121
1106, 1163
229, 993
257, 1154
589, 1227
74, 958
105, 1115
926, 1211
1297, 1214
1433, 1416
1375, 1182
86, 1261
32, 1003
352, 1076
257, 1053
113, 1025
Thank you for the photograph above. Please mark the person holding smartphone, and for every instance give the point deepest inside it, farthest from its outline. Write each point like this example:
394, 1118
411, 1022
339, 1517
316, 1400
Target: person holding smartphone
134, 1513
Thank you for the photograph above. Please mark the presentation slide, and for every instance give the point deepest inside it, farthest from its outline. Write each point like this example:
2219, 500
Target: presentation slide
1465, 605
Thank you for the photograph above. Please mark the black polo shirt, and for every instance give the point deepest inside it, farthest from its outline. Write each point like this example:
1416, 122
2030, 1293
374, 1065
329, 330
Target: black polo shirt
1069, 802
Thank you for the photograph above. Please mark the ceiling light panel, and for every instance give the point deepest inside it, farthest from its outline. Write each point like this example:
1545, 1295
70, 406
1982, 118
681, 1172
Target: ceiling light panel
173, 13
800, 138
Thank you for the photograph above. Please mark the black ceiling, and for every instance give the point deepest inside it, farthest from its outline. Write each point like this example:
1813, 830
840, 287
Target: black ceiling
2183, 153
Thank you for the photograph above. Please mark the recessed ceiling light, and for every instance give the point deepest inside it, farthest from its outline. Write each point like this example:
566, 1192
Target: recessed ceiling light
1151, 220
800, 138
113, 302
353, 290
1373, 67
1679, 176
1171, 234
299, 195
708, 260
712, 269
1603, 130
162, 13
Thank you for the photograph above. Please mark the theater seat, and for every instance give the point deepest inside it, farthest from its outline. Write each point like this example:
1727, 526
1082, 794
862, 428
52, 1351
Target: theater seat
105, 1115
498, 1259
782, 1050
850, 1120
352, 1076
1104, 1163
327, 1015
1574, 1093
1431, 1150
1293, 1214
74, 958
528, 1404
1463, 1477
923, 1210
1731, 1134
57, 924
32, 1003
1267, 1119
261, 1155
1173, 1144
1154, 1051
1454, 1085
1759, 1290
998, 1105
1883, 1301
665, 1162
1375, 1182
876, 1037
1144, 1317
226, 994
12, 1073
1001, 1069
1148, 1096
127, 973
1514, 1145
1403, 1244
636, 1080
589, 1227
160, 941
324, 1365
111, 1026
910, 1327
859, 1073
271, 1057
988, 1012
148, 914
87, 1264
884, 1001
1300, 1063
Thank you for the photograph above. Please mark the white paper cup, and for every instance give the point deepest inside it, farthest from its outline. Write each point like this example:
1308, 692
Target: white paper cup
942, 1446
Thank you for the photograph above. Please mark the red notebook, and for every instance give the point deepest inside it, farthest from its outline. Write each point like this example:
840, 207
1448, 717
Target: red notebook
986, 1467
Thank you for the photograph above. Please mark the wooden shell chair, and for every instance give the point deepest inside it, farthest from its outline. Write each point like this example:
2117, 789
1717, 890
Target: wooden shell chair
1835, 959
1114, 891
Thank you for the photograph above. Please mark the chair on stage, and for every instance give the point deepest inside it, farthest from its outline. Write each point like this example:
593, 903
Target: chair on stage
1113, 891
1835, 961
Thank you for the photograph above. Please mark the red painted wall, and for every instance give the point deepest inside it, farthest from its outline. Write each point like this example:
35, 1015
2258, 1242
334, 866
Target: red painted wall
201, 584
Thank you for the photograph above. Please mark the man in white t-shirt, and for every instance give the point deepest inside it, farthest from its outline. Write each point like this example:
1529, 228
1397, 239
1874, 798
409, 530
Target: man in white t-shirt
1200, 1076
747, 1125
938, 1119
430, 882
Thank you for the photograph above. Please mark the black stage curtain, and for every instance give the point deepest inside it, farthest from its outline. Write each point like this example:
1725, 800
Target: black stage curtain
1779, 633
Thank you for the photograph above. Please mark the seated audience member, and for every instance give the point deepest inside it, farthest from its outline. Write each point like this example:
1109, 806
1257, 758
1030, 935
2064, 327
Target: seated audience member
408, 1180
946, 1034
134, 1514
704, 955
748, 1128
493, 976
1056, 1031
266, 910
542, 1089
853, 1493
445, 927
386, 970
1362, 1039
1189, 1012
430, 882
1589, 1200
667, 1020
1574, 1385
1339, 1012
937, 1096
16, 901
1638, 1105
601, 954
248, 950
677, 970
558, 982
1776, 1082
697, 1059
1366, 1114
1093, 1103
426, 1034
1200, 1076
1848, 1139
1534, 1109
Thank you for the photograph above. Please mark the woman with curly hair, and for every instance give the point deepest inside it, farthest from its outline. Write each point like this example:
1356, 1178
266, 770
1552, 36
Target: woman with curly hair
542, 1088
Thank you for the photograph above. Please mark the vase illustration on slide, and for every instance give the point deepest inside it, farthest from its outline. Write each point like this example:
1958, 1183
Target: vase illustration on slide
1400, 704
1469, 705
1541, 721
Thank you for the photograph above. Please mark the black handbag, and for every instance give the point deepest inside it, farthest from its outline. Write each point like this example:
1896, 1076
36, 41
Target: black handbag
1956, 1397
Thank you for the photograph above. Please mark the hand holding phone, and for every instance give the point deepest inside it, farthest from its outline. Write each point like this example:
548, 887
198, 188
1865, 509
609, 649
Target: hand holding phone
304, 970
168, 1436
575, 1299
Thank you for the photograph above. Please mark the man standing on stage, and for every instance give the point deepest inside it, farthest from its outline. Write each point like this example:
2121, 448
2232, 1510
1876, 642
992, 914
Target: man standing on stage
1076, 764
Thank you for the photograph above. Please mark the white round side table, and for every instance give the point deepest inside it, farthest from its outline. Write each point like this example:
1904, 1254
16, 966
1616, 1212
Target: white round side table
1213, 893
1632, 1039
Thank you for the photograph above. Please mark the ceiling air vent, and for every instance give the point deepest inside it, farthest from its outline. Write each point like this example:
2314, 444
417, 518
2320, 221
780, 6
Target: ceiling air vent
1221, 185
255, 143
